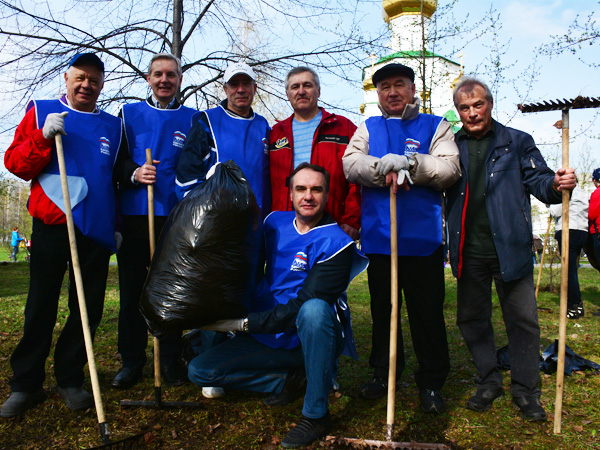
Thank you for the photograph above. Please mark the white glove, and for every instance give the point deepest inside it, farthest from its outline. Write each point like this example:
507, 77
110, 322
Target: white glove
225, 325
403, 175
54, 124
391, 162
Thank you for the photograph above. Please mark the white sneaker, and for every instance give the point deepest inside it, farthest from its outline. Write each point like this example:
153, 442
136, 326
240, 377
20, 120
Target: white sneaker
213, 392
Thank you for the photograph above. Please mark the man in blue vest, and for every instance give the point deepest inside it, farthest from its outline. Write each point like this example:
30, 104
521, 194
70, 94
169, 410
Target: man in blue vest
91, 141
299, 323
162, 124
403, 146
234, 131
489, 223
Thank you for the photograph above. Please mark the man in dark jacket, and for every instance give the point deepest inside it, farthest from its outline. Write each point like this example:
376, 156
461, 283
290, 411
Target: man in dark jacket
489, 223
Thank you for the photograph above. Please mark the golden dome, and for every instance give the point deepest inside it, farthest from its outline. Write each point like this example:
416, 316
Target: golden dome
395, 8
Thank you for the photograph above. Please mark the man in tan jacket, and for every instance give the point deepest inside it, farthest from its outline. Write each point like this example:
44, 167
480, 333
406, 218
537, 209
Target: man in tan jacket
417, 153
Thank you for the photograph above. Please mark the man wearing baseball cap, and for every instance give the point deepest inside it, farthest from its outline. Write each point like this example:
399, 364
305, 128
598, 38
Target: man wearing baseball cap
231, 130
403, 146
91, 139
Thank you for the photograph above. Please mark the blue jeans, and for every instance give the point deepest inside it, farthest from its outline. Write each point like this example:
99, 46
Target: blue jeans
245, 364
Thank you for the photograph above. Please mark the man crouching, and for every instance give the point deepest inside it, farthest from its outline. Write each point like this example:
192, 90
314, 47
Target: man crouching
299, 323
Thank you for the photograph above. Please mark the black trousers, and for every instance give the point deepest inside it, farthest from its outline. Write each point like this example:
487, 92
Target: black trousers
577, 240
519, 311
50, 255
596, 240
134, 260
421, 280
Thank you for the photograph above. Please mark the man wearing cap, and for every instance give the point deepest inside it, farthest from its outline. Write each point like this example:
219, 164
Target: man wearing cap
313, 135
161, 124
400, 147
91, 139
234, 131
489, 224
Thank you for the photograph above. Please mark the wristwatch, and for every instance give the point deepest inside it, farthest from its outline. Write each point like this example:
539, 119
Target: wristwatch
245, 325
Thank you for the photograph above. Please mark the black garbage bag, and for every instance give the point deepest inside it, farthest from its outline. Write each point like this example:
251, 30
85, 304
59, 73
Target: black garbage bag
208, 257
572, 360
549, 360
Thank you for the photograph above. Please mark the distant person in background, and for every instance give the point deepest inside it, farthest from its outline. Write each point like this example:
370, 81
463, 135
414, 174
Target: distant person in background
578, 226
14, 242
594, 217
538, 249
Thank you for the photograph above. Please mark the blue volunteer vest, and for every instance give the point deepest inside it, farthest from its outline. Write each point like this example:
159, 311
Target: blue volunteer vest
290, 257
163, 131
246, 141
90, 149
420, 209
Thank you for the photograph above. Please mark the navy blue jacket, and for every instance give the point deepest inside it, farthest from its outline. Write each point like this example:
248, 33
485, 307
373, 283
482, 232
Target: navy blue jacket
514, 169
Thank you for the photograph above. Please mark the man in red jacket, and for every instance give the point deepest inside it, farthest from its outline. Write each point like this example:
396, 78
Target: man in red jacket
90, 143
594, 217
316, 136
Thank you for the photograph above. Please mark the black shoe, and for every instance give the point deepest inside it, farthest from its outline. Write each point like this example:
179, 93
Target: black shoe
374, 389
76, 398
19, 402
531, 408
294, 387
174, 374
307, 431
431, 401
127, 377
575, 311
377, 388
483, 398
597, 313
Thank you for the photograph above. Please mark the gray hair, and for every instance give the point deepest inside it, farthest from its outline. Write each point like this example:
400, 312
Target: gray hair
166, 56
301, 69
467, 84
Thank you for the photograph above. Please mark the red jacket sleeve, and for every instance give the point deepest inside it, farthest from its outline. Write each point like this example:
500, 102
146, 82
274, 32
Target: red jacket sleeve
30, 150
352, 203
594, 210
28, 154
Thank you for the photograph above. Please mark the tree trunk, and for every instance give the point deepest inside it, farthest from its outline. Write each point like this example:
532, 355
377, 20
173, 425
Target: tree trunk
177, 24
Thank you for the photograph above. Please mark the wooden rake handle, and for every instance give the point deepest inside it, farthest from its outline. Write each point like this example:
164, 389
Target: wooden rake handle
389, 431
87, 335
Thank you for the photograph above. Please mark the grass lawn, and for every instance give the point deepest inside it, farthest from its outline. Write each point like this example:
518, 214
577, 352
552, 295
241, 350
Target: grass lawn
241, 421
